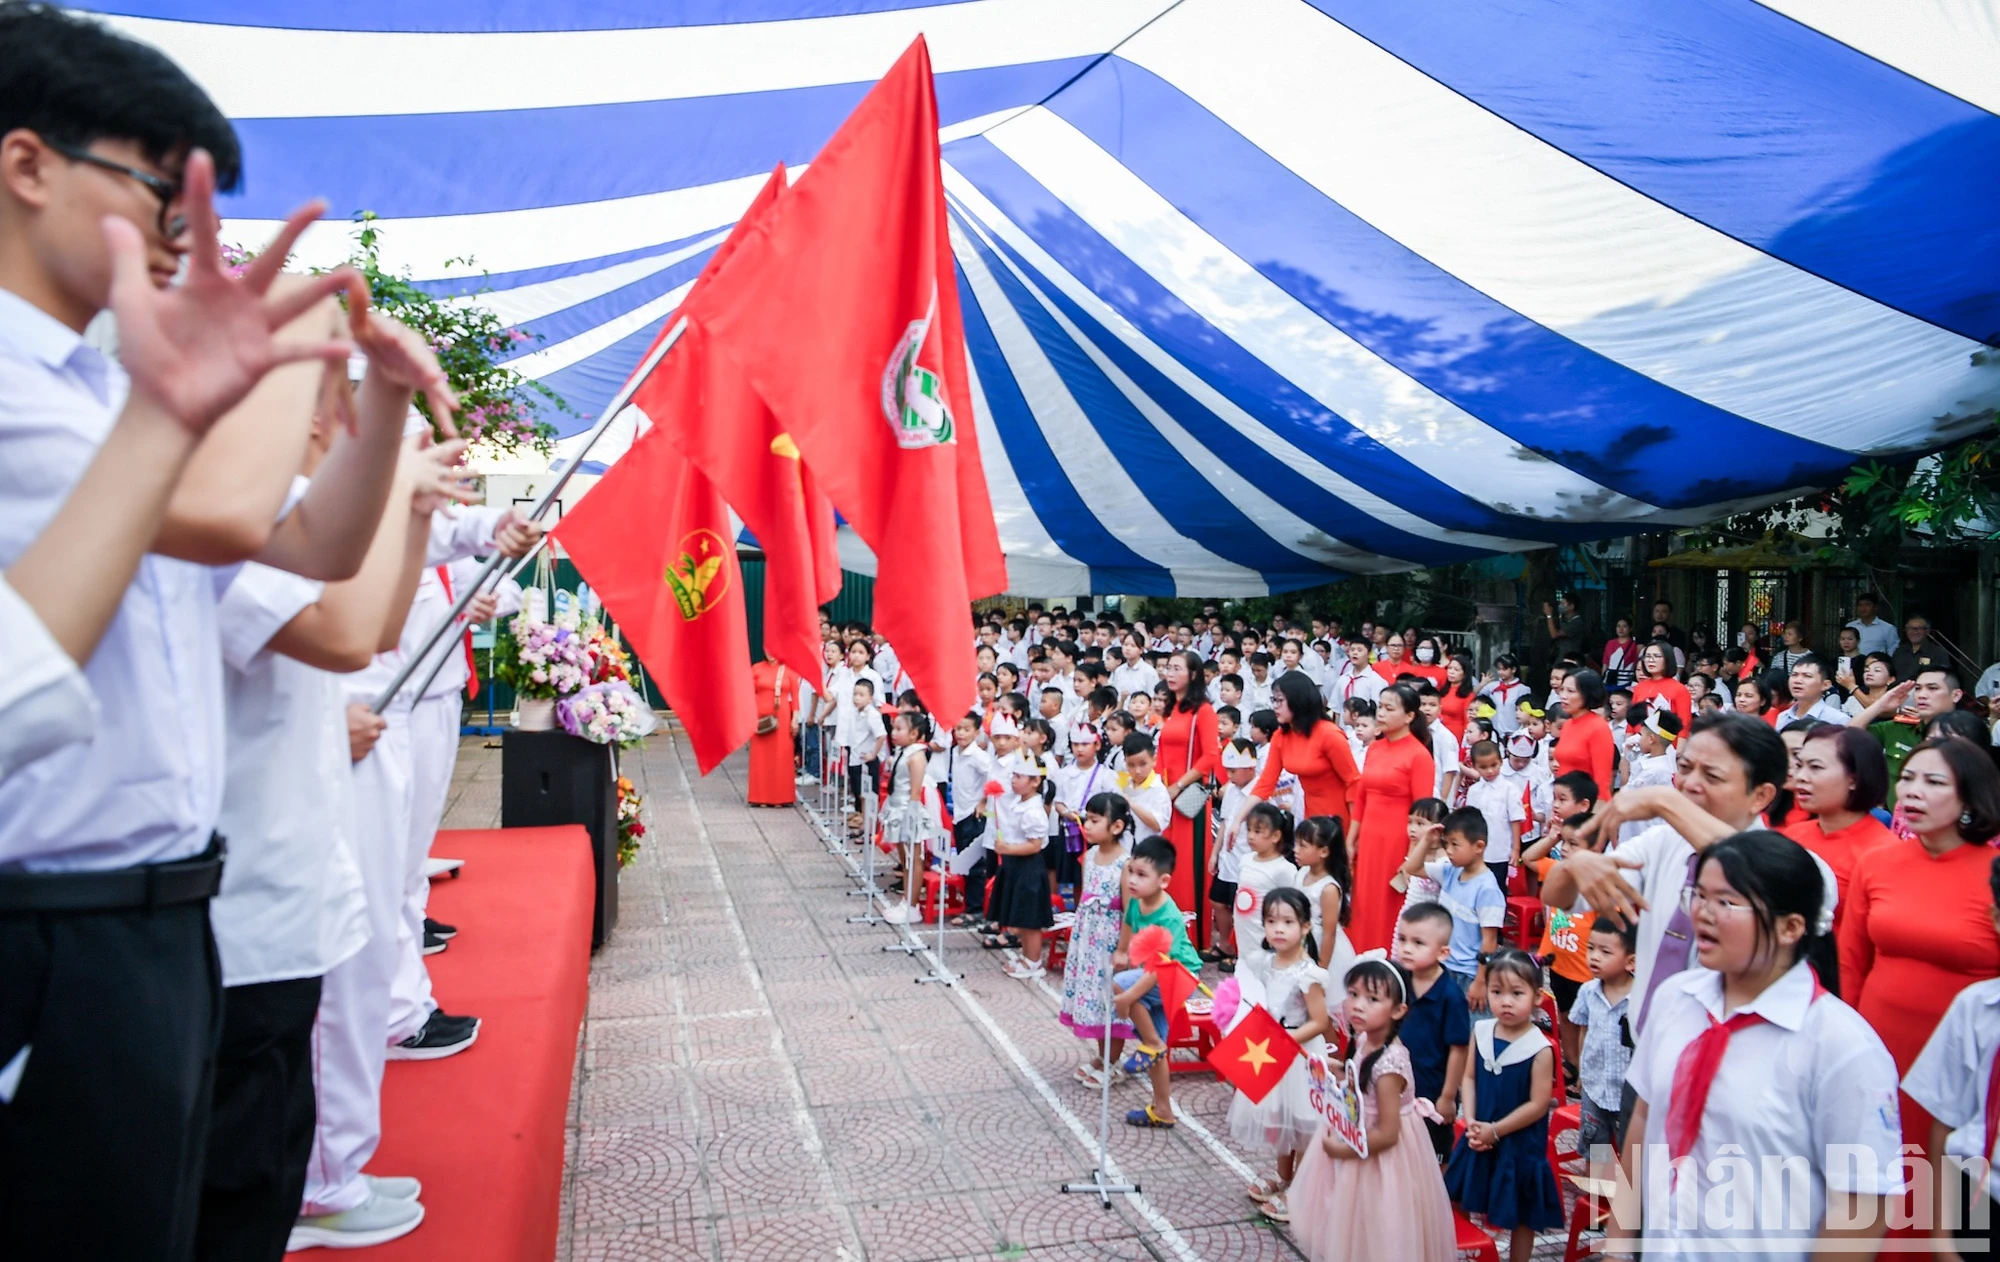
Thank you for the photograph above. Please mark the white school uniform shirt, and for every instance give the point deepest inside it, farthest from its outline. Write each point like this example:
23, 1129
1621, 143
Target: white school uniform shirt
45, 703
1537, 786
1646, 770
869, 733
1501, 802
1444, 753
1152, 796
1022, 820
1075, 786
1950, 1076
1505, 696
291, 904
1136, 677
1809, 1080
1256, 696
841, 686
968, 770
1229, 859
1255, 879
147, 785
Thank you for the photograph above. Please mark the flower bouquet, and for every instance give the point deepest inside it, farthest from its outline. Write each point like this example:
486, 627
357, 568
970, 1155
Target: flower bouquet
541, 660
607, 714
630, 828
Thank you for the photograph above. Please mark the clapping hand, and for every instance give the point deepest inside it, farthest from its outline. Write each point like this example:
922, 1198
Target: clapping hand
516, 535
197, 348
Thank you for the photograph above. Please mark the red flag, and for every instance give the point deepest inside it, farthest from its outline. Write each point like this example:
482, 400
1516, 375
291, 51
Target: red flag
1175, 983
1254, 1056
841, 307
652, 540
708, 410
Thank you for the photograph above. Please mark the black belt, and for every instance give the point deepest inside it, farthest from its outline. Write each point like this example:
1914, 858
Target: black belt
142, 888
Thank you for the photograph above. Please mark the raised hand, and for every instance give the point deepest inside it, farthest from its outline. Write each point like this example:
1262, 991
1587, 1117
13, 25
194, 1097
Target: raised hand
399, 355
197, 348
436, 478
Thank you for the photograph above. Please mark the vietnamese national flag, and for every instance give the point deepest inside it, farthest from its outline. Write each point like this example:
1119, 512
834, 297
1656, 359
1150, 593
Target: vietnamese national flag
840, 305
708, 410
1175, 983
652, 540
1255, 1054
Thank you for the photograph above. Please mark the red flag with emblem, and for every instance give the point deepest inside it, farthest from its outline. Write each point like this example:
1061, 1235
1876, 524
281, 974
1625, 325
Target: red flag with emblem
652, 540
840, 305
1254, 1056
708, 410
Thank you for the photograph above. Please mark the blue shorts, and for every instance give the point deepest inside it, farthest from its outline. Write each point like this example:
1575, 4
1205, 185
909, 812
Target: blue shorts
1155, 1006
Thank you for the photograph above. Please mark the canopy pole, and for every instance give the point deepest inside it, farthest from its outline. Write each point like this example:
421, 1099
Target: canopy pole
618, 404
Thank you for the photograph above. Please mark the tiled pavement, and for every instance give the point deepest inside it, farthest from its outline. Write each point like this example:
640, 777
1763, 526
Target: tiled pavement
758, 1079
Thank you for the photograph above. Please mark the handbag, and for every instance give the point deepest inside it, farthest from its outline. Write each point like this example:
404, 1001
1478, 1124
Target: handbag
768, 723
1191, 801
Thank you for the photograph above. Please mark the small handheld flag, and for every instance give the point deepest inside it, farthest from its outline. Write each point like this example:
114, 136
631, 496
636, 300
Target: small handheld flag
1255, 1055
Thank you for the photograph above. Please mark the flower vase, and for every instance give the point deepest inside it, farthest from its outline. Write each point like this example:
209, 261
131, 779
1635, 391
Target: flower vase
536, 714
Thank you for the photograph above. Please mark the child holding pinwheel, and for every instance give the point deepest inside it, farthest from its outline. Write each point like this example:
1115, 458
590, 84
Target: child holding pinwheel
1154, 938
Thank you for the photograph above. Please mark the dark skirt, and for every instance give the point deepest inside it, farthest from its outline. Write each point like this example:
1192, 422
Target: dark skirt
1020, 898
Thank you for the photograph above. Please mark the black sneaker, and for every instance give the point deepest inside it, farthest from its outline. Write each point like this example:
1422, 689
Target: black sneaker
437, 1040
433, 944
439, 929
444, 1018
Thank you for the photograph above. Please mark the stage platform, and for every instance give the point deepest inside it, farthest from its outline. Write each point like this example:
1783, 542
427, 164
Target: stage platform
485, 1130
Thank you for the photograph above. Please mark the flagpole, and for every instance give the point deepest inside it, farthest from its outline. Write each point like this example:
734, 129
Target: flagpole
611, 410
445, 656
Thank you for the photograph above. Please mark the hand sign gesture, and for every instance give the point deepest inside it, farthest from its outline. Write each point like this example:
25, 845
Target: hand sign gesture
396, 352
198, 347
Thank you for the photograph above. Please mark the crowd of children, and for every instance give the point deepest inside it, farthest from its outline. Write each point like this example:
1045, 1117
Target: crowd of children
1466, 1045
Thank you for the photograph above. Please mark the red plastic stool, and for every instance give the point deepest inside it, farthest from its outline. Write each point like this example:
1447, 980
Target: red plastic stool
1524, 922
1055, 939
1592, 1203
1472, 1238
954, 895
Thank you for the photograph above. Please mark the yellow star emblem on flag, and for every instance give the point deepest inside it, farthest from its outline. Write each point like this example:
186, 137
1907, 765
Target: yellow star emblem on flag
1257, 1054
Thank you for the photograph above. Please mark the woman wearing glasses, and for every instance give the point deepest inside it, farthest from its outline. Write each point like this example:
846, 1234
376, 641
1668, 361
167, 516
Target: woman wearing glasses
1729, 769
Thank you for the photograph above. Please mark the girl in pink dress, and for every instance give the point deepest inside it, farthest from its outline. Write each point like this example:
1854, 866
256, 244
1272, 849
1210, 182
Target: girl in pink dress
1391, 1203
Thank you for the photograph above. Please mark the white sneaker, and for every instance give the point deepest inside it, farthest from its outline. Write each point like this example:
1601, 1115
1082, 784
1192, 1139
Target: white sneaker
1023, 971
377, 1220
805, 779
900, 914
395, 1187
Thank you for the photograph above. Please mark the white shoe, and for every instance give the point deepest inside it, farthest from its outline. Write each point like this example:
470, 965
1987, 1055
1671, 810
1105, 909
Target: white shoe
805, 779
439, 867
1022, 971
377, 1220
395, 1187
900, 914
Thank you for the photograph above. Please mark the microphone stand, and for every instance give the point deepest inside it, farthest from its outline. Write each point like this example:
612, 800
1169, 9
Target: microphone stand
1100, 1183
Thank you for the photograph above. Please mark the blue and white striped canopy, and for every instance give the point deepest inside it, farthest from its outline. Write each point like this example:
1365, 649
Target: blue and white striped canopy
1258, 292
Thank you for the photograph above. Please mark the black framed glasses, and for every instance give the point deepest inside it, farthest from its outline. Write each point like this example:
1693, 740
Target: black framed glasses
168, 191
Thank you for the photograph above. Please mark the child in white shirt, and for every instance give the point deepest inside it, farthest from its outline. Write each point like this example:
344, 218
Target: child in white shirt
1143, 789
1239, 765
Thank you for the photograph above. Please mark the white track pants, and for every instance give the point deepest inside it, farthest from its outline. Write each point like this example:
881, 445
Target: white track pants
433, 754
348, 1050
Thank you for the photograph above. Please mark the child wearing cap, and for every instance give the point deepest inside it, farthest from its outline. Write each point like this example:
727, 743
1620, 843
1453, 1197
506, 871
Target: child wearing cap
1654, 762
1020, 901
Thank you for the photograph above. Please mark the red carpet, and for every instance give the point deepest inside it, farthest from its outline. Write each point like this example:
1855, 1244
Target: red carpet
484, 1129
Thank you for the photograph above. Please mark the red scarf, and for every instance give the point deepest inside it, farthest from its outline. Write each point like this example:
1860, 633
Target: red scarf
471, 662
1694, 1074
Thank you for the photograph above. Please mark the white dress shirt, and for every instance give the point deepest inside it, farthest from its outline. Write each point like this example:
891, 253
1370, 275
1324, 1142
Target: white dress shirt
1876, 637
44, 702
1950, 1077
1826, 710
1811, 1080
291, 903
147, 786
1132, 677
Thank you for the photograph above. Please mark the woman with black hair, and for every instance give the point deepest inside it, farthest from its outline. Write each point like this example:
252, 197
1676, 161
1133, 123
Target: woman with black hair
1310, 746
1189, 748
1728, 771
1917, 928
1399, 772
1461, 683
1838, 778
1754, 1054
1587, 743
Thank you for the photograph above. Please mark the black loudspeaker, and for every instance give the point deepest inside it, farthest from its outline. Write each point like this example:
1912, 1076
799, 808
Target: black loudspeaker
551, 778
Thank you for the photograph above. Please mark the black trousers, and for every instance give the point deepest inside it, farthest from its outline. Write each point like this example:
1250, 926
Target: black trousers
101, 1148
965, 832
261, 1124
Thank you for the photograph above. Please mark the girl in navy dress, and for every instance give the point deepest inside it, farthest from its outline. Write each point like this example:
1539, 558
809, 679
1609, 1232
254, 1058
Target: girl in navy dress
1500, 1168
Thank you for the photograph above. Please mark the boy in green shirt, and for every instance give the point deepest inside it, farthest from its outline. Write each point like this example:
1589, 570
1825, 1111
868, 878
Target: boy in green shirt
1138, 1000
